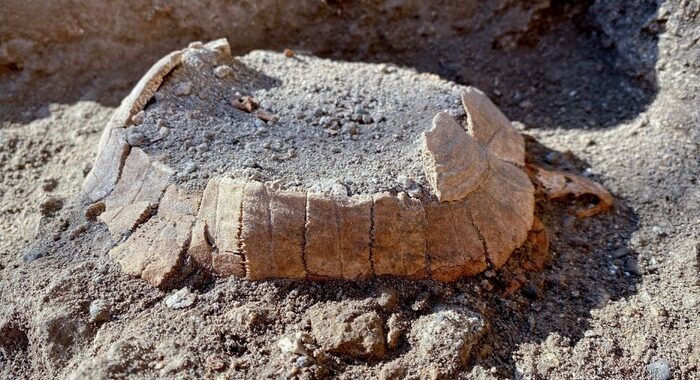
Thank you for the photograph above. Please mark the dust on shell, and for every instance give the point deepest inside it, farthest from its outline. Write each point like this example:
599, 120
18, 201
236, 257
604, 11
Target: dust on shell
340, 127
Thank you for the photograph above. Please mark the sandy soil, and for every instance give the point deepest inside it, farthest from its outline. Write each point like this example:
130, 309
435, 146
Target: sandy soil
607, 90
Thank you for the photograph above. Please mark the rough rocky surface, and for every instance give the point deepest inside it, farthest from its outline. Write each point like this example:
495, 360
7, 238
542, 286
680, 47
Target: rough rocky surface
607, 90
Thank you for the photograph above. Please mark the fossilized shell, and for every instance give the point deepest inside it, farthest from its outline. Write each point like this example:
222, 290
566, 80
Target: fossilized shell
481, 210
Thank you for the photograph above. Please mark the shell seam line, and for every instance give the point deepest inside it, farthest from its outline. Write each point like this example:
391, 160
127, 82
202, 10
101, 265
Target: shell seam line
481, 238
239, 233
371, 238
303, 236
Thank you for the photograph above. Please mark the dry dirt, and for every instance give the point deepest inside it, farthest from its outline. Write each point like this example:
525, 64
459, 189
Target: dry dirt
604, 89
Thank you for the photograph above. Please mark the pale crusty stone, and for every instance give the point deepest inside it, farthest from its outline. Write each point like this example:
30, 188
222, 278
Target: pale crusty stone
454, 163
137, 193
256, 231
287, 219
104, 174
322, 240
489, 126
155, 250
398, 240
502, 210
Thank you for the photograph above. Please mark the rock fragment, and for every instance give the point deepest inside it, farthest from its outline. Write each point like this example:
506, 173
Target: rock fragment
180, 299
223, 71
348, 330
99, 310
183, 88
659, 370
50, 206
441, 342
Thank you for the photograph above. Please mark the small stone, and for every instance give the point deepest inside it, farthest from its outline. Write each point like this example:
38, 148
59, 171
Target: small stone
395, 331
246, 316
404, 181
203, 147
183, 88
526, 104
87, 166
294, 345
94, 210
136, 139
216, 363
350, 128
442, 341
223, 71
138, 118
99, 310
49, 184
659, 370
388, 299
350, 332
303, 361
335, 149
36, 252
163, 132
77, 231
181, 299
50, 206
359, 110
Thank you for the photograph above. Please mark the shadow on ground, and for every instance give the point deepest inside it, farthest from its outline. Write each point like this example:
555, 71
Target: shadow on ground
553, 66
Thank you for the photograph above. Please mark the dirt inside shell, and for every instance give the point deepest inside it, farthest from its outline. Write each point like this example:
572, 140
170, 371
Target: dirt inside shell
305, 122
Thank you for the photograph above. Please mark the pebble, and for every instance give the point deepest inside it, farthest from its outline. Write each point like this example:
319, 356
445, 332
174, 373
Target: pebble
181, 299
49, 184
293, 345
94, 210
163, 132
260, 123
350, 128
138, 118
203, 147
659, 370
136, 139
223, 71
99, 310
183, 88
50, 206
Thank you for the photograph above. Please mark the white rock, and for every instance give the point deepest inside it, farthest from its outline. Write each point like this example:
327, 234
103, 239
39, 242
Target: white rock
181, 299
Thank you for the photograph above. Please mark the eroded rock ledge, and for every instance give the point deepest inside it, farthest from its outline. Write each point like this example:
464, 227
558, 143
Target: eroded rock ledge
479, 211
